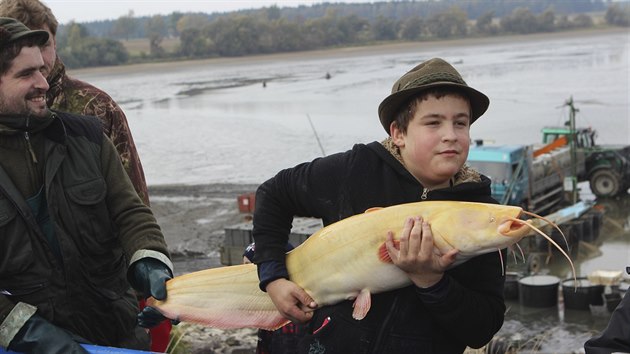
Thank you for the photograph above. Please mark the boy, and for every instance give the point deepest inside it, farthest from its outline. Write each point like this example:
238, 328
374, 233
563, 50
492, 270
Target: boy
428, 117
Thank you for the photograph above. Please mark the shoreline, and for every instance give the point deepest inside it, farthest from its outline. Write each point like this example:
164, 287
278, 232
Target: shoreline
350, 51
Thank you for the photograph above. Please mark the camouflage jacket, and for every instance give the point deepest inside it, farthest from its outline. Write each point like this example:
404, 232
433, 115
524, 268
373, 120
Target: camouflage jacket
74, 96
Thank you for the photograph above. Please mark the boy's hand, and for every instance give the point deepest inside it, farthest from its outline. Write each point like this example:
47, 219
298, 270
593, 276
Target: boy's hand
291, 300
416, 254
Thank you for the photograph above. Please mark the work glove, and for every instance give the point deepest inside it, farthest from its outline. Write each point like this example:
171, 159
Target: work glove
149, 317
38, 336
148, 276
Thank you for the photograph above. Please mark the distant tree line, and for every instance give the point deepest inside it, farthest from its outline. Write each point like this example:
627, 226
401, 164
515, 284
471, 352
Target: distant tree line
274, 29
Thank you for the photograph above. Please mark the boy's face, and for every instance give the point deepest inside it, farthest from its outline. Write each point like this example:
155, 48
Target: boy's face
23, 87
437, 140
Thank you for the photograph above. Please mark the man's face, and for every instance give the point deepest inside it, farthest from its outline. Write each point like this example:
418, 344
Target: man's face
23, 87
49, 51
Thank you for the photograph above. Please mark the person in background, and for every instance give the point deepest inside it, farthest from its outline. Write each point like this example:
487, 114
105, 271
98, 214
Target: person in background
76, 237
427, 117
74, 96
283, 340
616, 336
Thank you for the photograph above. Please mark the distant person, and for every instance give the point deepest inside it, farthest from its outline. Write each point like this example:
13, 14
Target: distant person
427, 117
75, 96
284, 340
616, 337
74, 235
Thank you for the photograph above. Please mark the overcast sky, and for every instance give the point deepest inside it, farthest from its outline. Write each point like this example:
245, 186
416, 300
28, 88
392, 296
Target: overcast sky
90, 10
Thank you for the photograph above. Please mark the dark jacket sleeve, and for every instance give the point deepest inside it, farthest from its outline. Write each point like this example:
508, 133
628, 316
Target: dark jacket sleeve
136, 225
616, 336
309, 189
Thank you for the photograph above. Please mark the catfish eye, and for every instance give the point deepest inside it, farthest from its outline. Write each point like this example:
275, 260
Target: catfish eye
492, 219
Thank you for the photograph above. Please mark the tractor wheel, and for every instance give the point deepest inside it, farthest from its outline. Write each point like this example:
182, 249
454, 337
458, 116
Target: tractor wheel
605, 183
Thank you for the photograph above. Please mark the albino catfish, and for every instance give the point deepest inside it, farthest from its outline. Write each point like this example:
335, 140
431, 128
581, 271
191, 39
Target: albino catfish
345, 260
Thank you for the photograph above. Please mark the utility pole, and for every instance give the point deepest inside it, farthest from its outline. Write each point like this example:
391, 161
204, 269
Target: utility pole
573, 148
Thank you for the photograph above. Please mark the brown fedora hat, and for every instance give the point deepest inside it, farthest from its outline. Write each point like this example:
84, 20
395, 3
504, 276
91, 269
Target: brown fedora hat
431, 73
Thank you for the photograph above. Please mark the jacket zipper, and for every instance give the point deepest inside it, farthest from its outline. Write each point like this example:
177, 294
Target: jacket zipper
30, 148
28, 140
424, 196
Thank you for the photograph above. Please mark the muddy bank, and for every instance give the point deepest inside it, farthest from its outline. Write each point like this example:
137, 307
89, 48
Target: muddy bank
193, 219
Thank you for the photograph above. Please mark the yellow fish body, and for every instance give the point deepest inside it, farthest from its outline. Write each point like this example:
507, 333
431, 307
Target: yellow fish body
344, 260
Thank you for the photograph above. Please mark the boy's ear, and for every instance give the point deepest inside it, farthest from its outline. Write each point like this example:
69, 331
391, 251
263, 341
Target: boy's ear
396, 134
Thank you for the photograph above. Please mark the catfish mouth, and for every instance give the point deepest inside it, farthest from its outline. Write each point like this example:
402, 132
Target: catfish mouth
513, 227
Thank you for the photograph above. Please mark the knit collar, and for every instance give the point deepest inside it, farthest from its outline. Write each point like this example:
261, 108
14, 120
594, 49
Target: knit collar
16, 123
465, 174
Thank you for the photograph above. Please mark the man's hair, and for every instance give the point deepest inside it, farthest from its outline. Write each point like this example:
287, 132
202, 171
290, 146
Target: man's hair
408, 110
12, 50
33, 13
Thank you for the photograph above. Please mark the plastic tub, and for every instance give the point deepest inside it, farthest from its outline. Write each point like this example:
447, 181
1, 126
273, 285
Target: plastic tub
584, 295
539, 290
510, 290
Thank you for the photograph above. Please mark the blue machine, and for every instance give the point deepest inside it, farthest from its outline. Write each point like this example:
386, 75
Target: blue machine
507, 168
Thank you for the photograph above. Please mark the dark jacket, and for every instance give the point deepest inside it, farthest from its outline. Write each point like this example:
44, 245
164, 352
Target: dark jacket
616, 337
68, 94
72, 263
465, 308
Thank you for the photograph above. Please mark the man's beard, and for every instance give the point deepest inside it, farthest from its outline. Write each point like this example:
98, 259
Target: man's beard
24, 108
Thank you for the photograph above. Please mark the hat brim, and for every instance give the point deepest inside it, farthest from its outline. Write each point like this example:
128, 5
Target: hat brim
40, 36
388, 109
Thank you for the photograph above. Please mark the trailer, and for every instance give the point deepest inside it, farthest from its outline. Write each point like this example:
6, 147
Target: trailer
535, 183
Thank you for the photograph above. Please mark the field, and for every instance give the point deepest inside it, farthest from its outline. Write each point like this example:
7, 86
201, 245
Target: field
136, 47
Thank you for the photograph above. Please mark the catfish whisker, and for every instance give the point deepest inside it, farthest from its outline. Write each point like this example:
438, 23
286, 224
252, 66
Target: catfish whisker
550, 241
502, 264
521, 250
553, 224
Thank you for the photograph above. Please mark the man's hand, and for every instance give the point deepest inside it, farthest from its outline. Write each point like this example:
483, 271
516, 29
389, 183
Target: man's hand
38, 336
416, 254
291, 300
148, 276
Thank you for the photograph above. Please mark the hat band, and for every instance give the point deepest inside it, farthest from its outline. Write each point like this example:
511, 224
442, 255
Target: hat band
432, 78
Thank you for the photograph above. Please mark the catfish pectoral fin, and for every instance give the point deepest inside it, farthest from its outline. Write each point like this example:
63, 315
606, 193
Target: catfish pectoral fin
362, 304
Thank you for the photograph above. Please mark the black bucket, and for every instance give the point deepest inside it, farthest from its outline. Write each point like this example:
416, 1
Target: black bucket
538, 291
588, 233
598, 220
510, 290
584, 295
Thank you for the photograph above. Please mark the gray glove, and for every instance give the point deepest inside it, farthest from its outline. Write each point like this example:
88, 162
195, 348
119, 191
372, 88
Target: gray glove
38, 336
